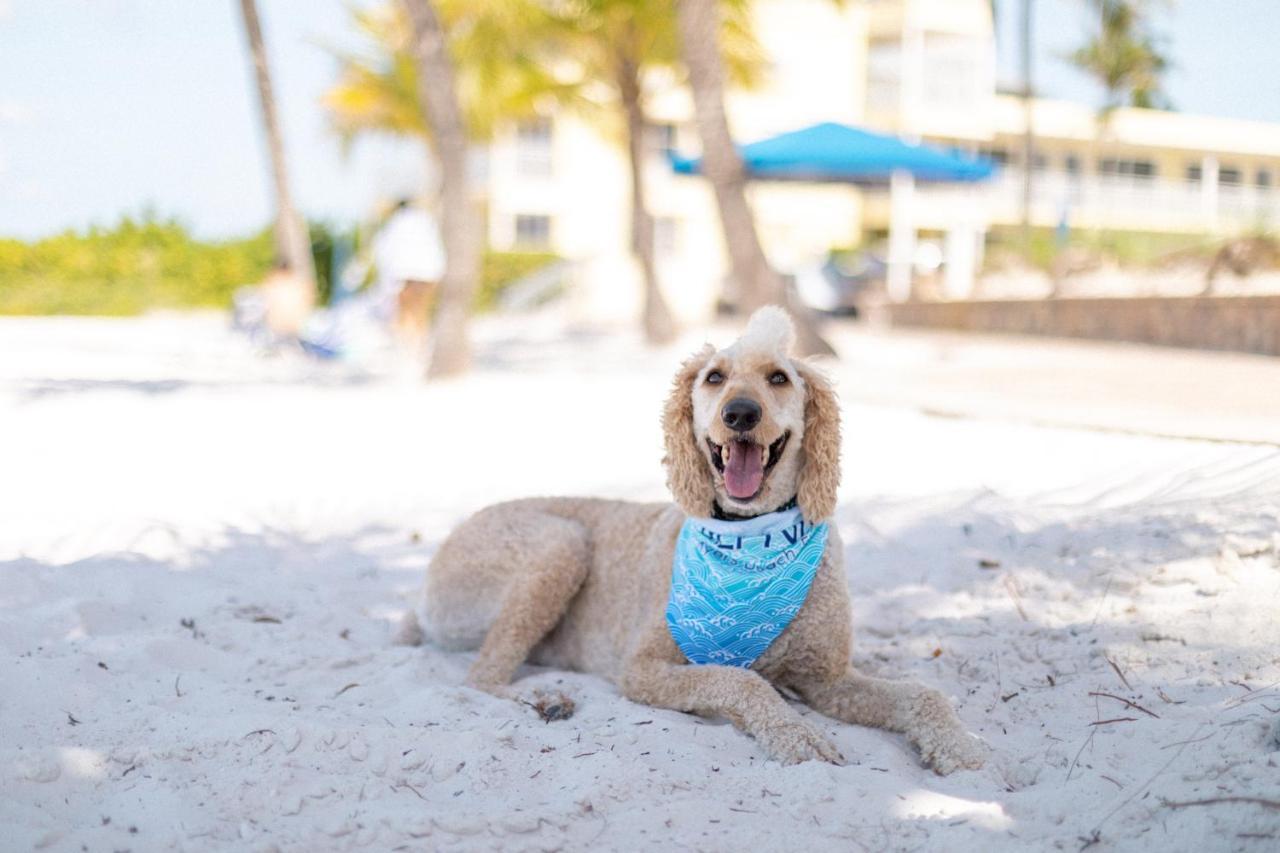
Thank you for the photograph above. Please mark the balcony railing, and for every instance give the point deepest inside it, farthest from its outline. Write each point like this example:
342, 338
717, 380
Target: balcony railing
1133, 202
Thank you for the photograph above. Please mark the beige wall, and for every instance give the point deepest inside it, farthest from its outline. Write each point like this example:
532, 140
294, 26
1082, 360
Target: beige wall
1238, 323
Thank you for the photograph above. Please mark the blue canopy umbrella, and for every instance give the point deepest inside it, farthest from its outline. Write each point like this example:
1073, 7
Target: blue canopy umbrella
838, 153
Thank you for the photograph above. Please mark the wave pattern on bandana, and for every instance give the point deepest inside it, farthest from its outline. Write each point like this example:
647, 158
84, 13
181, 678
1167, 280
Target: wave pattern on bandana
736, 585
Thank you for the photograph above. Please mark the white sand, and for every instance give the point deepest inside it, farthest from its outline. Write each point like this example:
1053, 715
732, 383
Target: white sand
202, 555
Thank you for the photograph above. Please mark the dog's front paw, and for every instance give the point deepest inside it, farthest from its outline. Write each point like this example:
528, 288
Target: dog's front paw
794, 741
409, 632
941, 738
952, 751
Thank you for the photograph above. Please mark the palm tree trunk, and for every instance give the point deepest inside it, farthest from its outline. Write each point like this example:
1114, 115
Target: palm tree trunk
1028, 133
758, 284
460, 225
293, 247
659, 325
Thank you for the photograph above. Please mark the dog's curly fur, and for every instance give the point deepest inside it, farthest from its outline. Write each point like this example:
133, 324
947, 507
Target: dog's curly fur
582, 583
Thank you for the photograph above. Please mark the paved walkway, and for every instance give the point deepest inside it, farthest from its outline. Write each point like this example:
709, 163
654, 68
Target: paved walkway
1099, 385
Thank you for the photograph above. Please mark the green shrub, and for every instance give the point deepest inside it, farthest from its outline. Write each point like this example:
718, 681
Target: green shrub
145, 263
501, 269
137, 265
1131, 249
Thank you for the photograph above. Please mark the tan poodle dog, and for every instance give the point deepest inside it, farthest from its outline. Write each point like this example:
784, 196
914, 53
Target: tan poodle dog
581, 583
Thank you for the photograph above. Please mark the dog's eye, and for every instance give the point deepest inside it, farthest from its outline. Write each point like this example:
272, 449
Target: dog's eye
715, 377
778, 378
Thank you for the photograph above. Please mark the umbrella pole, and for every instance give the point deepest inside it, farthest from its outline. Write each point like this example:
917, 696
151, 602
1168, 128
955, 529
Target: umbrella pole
902, 235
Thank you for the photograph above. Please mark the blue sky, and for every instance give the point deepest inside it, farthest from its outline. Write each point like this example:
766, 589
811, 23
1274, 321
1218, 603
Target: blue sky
1224, 57
108, 106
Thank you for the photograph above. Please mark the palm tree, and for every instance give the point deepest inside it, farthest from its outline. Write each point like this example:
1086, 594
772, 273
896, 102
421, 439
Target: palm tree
408, 82
460, 225
615, 45
496, 76
757, 282
1123, 55
1028, 118
588, 55
377, 89
659, 324
292, 244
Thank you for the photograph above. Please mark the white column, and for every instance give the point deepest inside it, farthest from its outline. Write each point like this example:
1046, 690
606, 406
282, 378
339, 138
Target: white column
961, 251
902, 235
902, 223
1209, 190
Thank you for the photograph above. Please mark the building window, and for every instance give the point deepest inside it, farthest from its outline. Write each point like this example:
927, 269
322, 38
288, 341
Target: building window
533, 231
533, 148
1119, 167
1195, 173
1229, 176
884, 75
999, 156
1263, 179
666, 235
953, 71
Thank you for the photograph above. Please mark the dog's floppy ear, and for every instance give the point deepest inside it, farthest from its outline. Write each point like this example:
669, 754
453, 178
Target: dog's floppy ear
820, 463
688, 476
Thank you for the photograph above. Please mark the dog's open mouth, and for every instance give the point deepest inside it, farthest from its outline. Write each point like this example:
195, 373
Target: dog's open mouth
744, 464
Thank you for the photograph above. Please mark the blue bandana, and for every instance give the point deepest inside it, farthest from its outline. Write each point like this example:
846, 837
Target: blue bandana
736, 585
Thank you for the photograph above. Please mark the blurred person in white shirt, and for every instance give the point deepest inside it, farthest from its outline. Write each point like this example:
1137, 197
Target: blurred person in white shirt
409, 257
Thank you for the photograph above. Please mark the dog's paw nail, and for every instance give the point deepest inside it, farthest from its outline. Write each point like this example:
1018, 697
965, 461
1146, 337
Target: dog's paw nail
966, 753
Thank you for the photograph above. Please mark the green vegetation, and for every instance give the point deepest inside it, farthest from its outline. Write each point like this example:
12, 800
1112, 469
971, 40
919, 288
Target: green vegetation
331, 246
147, 263
501, 269
1124, 56
1126, 248
137, 265
514, 58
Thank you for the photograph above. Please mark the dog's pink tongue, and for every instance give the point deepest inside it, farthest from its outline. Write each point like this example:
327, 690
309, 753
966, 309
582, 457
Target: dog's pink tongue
744, 470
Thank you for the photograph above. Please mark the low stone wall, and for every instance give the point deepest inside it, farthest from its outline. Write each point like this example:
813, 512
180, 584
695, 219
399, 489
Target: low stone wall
1236, 323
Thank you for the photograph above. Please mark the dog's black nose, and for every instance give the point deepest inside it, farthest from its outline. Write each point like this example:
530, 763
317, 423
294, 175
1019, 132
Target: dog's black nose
741, 414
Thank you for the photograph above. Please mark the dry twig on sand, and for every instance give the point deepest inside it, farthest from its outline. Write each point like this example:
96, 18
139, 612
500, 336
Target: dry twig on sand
1012, 586
1258, 801
1134, 705
1080, 752
1127, 685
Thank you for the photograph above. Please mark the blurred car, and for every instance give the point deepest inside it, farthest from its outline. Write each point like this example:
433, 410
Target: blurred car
838, 283
841, 282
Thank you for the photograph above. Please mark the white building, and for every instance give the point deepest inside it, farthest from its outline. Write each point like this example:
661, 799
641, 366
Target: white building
925, 69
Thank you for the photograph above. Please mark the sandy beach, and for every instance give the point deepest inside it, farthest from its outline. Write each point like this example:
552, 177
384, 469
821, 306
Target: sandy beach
204, 553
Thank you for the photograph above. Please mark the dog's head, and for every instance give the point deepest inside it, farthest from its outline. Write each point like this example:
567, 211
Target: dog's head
749, 427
